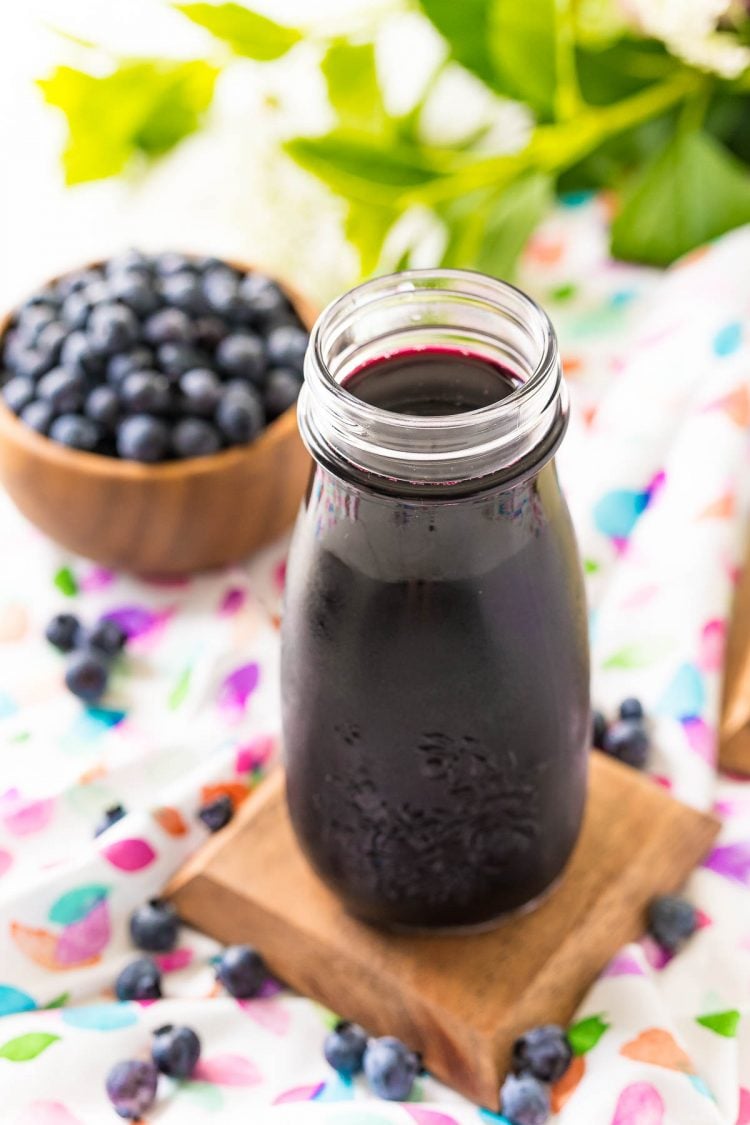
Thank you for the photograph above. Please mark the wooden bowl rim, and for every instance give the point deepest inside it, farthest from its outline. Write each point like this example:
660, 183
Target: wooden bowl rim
98, 464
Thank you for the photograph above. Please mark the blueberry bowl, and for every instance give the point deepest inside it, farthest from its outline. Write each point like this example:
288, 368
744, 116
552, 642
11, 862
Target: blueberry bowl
126, 479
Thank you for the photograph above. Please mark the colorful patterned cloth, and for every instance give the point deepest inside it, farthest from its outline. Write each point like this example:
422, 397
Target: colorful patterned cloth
659, 368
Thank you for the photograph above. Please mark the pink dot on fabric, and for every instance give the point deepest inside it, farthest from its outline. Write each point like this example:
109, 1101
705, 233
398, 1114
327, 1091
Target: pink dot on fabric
228, 1070
639, 1104
6, 861
233, 600
238, 686
254, 754
48, 1113
174, 961
743, 1116
713, 642
623, 965
129, 855
268, 1014
23, 818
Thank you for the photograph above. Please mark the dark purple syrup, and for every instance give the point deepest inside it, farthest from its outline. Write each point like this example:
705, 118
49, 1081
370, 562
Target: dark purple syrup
435, 678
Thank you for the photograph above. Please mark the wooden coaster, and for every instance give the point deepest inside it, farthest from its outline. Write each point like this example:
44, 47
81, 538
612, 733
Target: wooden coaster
734, 730
460, 1000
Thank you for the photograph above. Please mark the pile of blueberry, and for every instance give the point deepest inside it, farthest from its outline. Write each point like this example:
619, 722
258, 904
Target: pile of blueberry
626, 738
90, 652
154, 928
150, 358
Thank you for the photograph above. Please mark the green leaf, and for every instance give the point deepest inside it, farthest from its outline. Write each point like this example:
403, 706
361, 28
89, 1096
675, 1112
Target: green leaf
247, 33
723, 1023
352, 81
465, 25
144, 107
65, 581
637, 655
691, 192
360, 168
522, 45
366, 228
510, 222
58, 1001
180, 690
26, 1047
584, 1035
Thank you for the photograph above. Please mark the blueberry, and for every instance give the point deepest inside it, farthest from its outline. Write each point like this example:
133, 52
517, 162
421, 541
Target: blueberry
38, 416
184, 291
631, 708
344, 1048
51, 339
287, 346
599, 729
242, 356
131, 1087
217, 813
176, 1050
239, 415
145, 392
86, 676
209, 331
524, 1100
263, 297
155, 926
627, 740
18, 393
168, 326
195, 437
139, 980
76, 432
76, 310
281, 391
44, 299
34, 321
62, 389
170, 262
106, 637
201, 389
30, 363
543, 1052
139, 359
76, 280
242, 971
127, 260
135, 289
97, 293
78, 357
175, 359
102, 406
390, 1068
142, 438
222, 292
63, 631
112, 328
671, 921
109, 817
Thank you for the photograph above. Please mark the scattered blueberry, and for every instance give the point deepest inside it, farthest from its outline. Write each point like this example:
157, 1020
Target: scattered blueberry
671, 921
75, 431
176, 1050
139, 980
281, 391
155, 926
287, 346
524, 1100
631, 708
628, 741
194, 437
344, 1048
62, 389
599, 729
86, 676
216, 814
18, 393
142, 438
390, 1068
242, 356
543, 1052
145, 392
106, 637
109, 817
112, 328
239, 415
131, 1087
242, 971
38, 416
63, 632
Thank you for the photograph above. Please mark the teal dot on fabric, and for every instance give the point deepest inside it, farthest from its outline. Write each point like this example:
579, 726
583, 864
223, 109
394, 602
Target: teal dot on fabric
12, 1000
685, 696
100, 1017
697, 1082
617, 512
77, 903
621, 298
728, 339
576, 198
336, 1089
488, 1115
8, 706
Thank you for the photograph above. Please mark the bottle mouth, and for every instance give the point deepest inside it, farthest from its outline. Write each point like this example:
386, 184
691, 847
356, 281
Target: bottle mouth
457, 311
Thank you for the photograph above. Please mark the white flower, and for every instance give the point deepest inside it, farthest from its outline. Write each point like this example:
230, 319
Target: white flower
688, 28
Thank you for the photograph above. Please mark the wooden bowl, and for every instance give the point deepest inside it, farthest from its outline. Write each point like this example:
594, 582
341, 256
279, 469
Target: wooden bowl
165, 519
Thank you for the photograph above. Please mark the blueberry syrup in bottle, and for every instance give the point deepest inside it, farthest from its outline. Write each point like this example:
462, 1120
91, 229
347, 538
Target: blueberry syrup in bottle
435, 678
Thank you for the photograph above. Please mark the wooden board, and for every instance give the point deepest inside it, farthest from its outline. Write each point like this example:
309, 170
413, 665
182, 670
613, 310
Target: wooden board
734, 731
459, 1000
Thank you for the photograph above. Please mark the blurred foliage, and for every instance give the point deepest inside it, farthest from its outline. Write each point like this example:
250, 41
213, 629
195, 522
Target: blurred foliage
609, 110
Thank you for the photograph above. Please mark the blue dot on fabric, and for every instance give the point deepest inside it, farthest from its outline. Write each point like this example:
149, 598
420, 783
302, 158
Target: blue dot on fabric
575, 199
336, 1089
100, 1017
621, 298
685, 696
12, 1000
616, 514
728, 339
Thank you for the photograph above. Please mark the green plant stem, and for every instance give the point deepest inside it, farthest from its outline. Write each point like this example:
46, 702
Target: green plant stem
553, 148
568, 99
